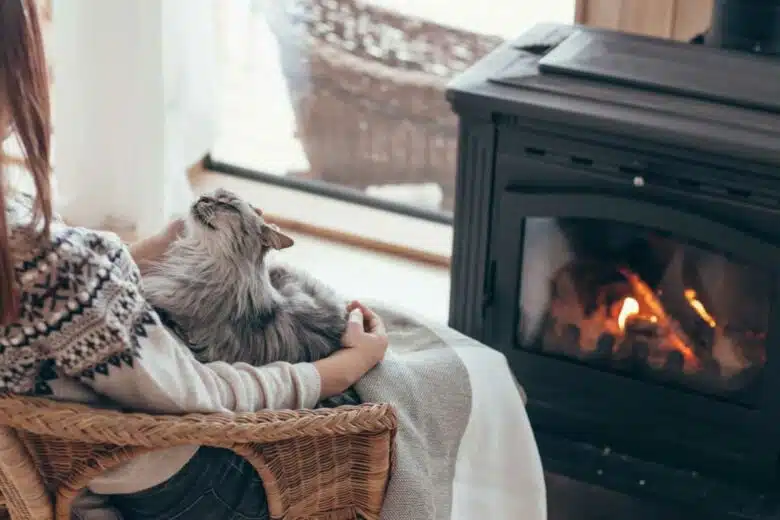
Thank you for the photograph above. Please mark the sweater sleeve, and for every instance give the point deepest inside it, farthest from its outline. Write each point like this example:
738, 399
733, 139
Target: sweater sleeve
100, 330
164, 377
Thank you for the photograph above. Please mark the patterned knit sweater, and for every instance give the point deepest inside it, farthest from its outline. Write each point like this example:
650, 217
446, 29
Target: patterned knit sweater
86, 334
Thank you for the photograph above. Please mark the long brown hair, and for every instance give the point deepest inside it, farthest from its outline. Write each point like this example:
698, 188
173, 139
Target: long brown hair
25, 108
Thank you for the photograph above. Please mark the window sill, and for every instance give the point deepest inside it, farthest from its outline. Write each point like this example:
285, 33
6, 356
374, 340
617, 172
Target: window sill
339, 221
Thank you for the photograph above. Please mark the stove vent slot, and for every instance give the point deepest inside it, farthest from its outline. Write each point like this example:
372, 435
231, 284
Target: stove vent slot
715, 187
680, 177
579, 161
535, 151
584, 162
506, 119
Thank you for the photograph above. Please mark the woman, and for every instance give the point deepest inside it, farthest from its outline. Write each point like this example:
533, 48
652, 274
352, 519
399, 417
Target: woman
74, 326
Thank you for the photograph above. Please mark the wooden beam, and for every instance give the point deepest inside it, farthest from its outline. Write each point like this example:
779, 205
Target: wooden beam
691, 18
602, 13
655, 18
679, 19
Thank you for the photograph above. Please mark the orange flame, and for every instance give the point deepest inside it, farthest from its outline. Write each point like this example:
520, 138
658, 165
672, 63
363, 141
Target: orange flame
698, 306
629, 308
678, 338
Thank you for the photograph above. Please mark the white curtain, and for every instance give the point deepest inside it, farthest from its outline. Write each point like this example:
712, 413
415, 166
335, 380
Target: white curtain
134, 106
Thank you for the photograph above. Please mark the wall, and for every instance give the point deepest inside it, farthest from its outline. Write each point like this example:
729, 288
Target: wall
133, 107
678, 19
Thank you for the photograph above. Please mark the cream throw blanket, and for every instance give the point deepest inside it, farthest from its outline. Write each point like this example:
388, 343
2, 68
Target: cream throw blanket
454, 460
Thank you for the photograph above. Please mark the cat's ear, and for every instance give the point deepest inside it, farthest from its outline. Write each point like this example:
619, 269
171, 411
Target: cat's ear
273, 237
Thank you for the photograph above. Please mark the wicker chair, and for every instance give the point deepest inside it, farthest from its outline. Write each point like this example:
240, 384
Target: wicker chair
327, 464
367, 87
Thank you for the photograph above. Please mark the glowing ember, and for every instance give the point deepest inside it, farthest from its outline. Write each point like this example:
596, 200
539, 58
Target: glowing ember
698, 306
630, 308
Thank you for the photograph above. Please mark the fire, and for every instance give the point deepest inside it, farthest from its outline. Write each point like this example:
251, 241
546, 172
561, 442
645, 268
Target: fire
629, 308
630, 322
698, 306
649, 301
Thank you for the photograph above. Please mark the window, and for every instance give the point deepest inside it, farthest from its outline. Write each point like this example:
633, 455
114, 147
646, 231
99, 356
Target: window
349, 94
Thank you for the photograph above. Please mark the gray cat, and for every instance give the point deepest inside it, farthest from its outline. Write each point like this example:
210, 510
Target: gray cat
220, 291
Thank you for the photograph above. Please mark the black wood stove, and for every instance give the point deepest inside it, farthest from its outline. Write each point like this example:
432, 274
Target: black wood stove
617, 236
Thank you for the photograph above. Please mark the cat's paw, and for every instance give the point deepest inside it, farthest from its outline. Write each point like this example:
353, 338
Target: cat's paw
348, 398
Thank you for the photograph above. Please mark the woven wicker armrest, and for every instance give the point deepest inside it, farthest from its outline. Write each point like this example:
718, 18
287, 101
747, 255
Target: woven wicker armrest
325, 463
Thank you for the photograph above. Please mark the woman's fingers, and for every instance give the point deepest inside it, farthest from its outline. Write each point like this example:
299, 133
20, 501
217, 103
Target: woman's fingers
354, 330
372, 322
376, 325
356, 318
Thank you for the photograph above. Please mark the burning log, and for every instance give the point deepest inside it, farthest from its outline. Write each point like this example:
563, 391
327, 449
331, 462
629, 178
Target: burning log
677, 338
619, 319
647, 326
675, 362
640, 353
605, 345
571, 339
729, 356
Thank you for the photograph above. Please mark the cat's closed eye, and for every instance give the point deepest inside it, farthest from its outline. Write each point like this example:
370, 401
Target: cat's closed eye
229, 206
221, 202
224, 195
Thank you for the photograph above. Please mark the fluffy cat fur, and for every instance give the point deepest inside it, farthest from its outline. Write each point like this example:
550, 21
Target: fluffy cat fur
219, 289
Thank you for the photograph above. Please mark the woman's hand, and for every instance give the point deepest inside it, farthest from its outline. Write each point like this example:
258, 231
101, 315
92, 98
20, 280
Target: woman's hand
365, 333
365, 343
173, 231
149, 250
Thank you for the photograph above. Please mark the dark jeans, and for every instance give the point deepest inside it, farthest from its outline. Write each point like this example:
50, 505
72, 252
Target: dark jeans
215, 484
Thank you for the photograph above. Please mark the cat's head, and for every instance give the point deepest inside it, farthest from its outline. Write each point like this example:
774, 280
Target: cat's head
224, 220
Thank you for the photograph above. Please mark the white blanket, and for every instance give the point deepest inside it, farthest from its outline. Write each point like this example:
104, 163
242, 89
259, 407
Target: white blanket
465, 449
